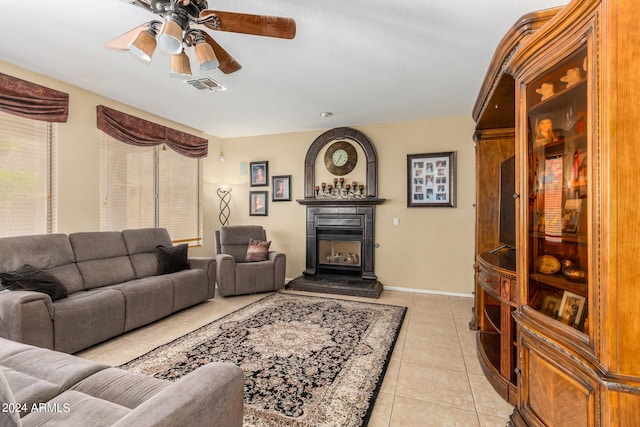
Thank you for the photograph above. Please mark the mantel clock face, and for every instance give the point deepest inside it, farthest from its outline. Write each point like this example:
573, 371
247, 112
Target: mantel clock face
340, 158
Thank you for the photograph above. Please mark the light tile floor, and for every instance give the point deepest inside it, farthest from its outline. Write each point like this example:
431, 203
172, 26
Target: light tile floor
434, 377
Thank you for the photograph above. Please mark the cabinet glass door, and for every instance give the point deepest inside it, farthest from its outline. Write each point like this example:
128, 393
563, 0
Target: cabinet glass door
558, 170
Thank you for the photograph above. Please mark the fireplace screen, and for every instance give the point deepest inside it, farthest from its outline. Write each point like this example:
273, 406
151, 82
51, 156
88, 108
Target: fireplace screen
339, 252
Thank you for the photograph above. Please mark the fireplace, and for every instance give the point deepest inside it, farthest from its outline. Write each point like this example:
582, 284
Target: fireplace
340, 250
340, 241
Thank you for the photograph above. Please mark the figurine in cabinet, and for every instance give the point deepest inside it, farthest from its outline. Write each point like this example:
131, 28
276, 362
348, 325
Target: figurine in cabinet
546, 90
572, 77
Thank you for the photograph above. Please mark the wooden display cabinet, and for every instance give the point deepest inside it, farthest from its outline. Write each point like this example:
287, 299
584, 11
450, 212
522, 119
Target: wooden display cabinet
495, 285
577, 147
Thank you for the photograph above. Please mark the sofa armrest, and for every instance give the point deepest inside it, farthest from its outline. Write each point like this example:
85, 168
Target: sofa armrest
279, 269
26, 317
226, 274
212, 395
208, 264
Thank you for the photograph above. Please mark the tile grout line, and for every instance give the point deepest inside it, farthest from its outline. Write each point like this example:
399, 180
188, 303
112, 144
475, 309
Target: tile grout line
466, 367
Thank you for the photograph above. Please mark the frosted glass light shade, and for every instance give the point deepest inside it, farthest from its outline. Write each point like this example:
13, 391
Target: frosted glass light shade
180, 66
170, 37
143, 45
206, 58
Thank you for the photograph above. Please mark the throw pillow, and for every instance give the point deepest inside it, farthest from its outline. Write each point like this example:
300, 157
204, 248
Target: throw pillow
257, 250
30, 278
172, 258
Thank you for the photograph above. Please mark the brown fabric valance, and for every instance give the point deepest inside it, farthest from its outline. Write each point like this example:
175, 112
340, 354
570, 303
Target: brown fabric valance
32, 101
135, 131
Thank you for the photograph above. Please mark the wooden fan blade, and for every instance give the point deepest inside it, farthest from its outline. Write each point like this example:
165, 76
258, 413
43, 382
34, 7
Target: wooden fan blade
228, 64
122, 42
257, 25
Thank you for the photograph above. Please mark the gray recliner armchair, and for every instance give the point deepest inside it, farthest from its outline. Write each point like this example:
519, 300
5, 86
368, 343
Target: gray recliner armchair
236, 274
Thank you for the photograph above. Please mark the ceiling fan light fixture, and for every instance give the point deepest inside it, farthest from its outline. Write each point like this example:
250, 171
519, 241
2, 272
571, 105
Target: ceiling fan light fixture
206, 58
144, 45
170, 37
180, 66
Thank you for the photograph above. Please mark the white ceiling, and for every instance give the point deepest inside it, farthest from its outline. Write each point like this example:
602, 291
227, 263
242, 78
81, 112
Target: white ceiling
367, 61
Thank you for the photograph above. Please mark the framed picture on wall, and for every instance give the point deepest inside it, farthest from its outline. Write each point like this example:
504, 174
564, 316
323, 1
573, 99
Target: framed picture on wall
258, 203
281, 188
259, 173
431, 180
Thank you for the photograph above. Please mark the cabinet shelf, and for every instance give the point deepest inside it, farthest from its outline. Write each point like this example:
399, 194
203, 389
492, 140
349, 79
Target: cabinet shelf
492, 313
559, 99
557, 148
560, 282
565, 237
490, 344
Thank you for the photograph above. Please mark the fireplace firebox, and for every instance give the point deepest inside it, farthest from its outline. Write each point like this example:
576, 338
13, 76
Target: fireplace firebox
340, 253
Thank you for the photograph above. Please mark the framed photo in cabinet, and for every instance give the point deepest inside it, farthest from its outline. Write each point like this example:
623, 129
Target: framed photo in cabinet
572, 215
551, 305
571, 308
431, 180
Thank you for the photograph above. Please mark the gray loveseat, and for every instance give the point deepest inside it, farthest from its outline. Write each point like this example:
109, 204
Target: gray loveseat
40, 387
113, 285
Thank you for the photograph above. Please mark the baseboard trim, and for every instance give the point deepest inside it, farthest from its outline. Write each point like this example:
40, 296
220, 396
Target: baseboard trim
425, 291
417, 291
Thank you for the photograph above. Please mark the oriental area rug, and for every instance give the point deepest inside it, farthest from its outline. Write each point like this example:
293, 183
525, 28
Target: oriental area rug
308, 361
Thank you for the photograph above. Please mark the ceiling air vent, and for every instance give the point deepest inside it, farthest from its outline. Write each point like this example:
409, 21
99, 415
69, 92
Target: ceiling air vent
206, 83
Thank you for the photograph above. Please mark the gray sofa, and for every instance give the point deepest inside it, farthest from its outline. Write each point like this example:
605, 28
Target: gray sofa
113, 285
40, 387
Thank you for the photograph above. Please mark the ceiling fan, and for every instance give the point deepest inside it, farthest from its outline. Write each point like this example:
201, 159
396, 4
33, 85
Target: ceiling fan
183, 24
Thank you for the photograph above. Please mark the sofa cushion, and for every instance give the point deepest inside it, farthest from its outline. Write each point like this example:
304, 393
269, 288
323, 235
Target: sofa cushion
141, 245
30, 278
62, 370
146, 300
257, 250
253, 277
128, 389
102, 258
190, 287
86, 318
73, 408
30, 390
9, 414
49, 252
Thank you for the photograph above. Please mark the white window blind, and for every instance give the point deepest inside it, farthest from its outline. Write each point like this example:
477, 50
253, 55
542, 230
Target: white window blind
150, 187
180, 196
126, 185
27, 176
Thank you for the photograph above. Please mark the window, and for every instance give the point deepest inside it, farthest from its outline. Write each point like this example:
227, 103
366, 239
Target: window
27, 176
150, 187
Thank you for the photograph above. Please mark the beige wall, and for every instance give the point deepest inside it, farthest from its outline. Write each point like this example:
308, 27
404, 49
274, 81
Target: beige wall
431, 249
